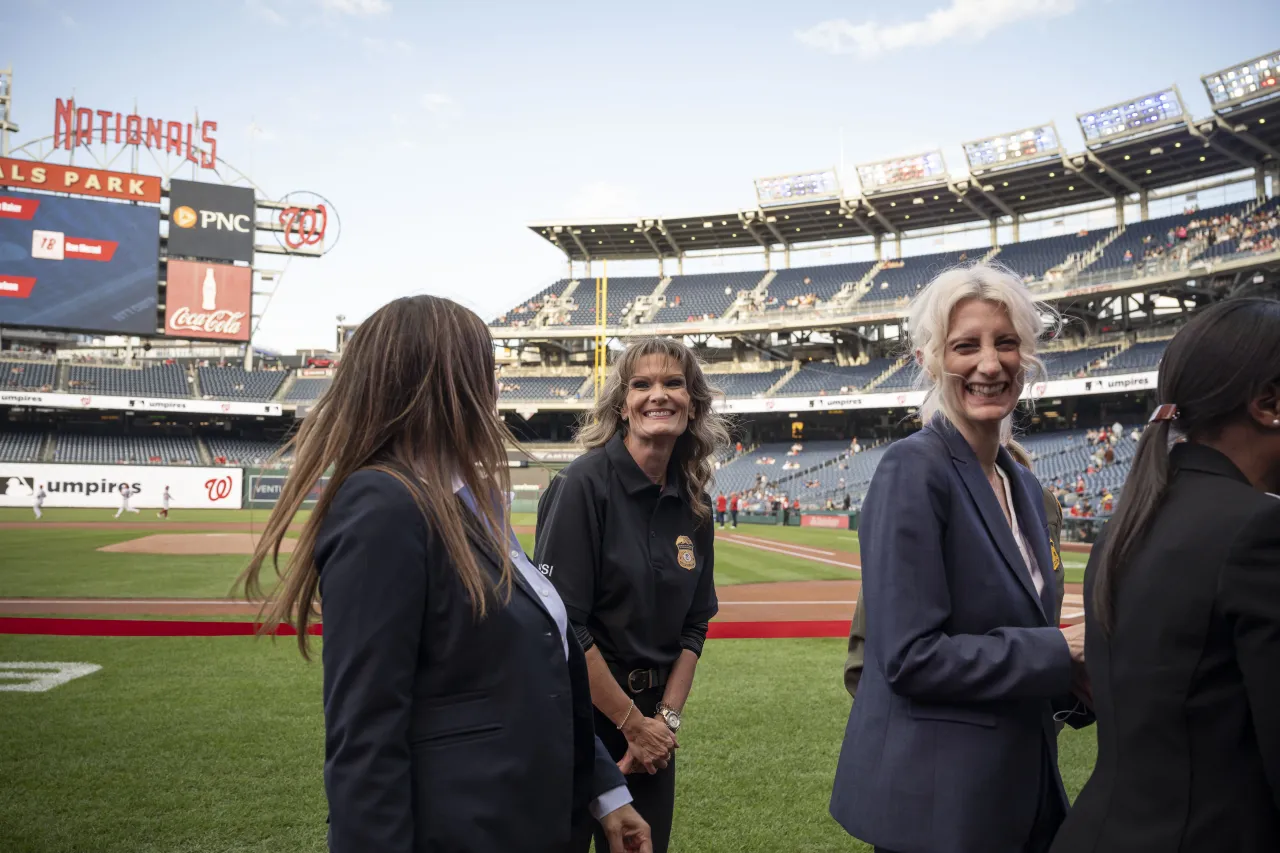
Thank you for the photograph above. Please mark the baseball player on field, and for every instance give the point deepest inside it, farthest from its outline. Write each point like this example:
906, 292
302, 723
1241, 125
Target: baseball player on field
164, 505
40, 496
125, 492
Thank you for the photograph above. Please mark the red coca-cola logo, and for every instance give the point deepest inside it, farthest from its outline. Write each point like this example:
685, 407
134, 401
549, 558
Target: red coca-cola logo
215, 322
219, 488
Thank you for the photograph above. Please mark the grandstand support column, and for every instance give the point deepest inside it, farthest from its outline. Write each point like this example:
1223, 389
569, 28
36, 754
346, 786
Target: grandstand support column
1260, 182
248, 358
786, 255
1017, 227
879, 247
897, 244
995, 236
601, 359
1143, 199
680, 263
1119, 211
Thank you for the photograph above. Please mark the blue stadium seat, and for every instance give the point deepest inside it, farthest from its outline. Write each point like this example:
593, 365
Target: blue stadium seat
306, 390
242, 451
904, 278
710, 294
236, 383
823, 282
28, 375
152, 380
823, 377
125, 449
622, 292
1031, 259
745, 384
539, 387
20, 445
1140, 358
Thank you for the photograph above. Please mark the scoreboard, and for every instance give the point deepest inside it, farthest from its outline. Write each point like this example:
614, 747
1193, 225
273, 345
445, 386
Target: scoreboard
80, 265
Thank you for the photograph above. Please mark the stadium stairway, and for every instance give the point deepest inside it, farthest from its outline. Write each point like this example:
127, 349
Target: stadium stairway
64, 377
786, 377
860, 287
897, 365
202, 451
193, 376
285, 386
46, 447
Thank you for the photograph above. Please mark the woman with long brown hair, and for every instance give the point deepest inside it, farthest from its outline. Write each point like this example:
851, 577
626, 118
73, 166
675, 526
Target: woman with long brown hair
625, 533
1182, 608
457, 710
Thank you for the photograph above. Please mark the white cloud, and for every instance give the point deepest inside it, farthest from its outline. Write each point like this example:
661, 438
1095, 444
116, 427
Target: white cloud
962, 19
357, 7
601, 199
259, 9
67, 20
434, 102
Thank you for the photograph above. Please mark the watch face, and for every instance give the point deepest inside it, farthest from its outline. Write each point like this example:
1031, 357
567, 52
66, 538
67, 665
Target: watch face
672, 718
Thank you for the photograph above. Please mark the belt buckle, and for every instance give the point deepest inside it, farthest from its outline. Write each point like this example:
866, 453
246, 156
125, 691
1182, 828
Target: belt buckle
631, 680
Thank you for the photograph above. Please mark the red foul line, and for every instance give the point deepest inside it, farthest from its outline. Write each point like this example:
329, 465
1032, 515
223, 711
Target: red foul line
45, 626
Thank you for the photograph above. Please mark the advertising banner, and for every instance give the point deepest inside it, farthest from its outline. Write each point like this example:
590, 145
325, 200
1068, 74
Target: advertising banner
265, 489
838, 521
76, 264
137, 404
206, 301
99, 485
34, 175
211, 221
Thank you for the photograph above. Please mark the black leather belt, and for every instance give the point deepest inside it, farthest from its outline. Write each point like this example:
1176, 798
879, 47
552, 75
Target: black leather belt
640, 680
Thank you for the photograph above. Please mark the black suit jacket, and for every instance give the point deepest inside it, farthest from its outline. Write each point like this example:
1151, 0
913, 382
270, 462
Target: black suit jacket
441, 733
1187, 688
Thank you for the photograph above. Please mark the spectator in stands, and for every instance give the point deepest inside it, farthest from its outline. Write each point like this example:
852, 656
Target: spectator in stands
625, 533
436, 625
1182, 607
964, 666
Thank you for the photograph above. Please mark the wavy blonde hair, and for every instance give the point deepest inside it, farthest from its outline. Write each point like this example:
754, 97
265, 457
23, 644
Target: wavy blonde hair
708, 430
929, 319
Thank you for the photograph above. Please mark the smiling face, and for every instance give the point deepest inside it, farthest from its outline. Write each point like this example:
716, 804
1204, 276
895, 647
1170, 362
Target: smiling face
983, 360
657, 403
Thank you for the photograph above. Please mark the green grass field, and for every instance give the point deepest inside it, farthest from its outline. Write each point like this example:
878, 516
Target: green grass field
215, 745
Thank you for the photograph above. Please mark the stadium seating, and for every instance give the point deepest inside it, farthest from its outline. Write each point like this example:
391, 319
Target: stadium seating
745, 384
539, 387
241, 451
742, 473
710, 294
1063, 364
524, 313
20, 445
823, 282
236, 383
306, 390
131, 449
903, 279
1031, 259
902, 379
155, 380
1139, 358
1144, 239
822, 377
622, 293
28, 375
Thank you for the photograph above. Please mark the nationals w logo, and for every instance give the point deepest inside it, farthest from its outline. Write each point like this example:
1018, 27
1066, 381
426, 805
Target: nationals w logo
304, 226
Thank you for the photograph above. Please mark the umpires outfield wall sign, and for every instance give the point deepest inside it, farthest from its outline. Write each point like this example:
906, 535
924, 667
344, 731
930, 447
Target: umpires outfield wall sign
137, 404
211, 221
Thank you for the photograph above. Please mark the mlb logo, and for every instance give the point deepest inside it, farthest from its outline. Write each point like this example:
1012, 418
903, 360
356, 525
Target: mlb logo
23, 487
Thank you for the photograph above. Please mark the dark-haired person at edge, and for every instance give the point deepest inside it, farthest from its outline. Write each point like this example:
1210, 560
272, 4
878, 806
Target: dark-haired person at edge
951, 745
625, 533
1053, 514
1182, 605
457, 707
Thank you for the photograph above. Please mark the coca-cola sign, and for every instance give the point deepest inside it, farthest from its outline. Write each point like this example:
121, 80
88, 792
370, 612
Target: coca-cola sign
205, 301
217, 322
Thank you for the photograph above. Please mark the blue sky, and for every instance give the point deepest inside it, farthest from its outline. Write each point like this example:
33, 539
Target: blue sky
441, 130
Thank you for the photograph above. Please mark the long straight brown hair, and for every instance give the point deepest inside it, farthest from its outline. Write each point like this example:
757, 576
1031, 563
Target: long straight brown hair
414, 396
1213, 368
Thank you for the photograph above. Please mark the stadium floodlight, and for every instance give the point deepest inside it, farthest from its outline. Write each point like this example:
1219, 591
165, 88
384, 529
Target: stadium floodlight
1134, 116
805, 186
1243, 82
1012, 148
902, 171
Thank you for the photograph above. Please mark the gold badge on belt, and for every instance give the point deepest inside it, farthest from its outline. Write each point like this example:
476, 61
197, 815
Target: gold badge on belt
1057, 560
684, 553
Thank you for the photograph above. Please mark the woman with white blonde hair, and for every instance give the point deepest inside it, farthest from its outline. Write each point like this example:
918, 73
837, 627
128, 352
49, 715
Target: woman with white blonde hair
951, 746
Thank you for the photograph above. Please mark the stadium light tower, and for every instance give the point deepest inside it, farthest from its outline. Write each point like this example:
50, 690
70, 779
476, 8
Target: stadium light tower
1246, 81
902, 172
798, 188
1013, 149
1132, 117
6, 100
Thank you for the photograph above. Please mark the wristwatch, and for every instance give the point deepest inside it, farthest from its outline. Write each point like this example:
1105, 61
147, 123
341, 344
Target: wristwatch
670, 716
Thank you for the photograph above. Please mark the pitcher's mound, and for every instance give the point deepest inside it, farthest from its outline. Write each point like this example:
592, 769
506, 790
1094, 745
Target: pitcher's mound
195, 543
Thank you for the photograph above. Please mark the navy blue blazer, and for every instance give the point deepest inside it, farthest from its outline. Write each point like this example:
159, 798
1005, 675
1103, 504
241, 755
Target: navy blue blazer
443, 734
945, 750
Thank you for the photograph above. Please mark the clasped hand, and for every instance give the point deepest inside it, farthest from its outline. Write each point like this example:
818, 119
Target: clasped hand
1080, 685
649, 746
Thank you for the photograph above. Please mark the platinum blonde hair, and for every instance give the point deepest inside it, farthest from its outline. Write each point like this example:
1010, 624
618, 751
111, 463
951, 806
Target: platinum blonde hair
929, 320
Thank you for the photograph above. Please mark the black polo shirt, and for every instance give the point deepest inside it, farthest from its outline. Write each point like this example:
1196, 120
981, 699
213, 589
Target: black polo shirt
628, 557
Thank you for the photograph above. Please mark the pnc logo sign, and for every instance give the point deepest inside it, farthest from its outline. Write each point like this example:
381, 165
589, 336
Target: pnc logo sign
184, 217
214, 222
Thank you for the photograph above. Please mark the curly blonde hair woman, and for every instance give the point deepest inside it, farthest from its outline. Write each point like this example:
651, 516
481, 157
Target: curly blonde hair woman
625, 533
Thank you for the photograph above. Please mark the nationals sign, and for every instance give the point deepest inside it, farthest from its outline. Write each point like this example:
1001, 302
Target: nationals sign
208, 301
33, 175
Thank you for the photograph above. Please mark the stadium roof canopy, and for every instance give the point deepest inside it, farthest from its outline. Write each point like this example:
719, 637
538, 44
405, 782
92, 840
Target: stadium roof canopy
1243, 136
